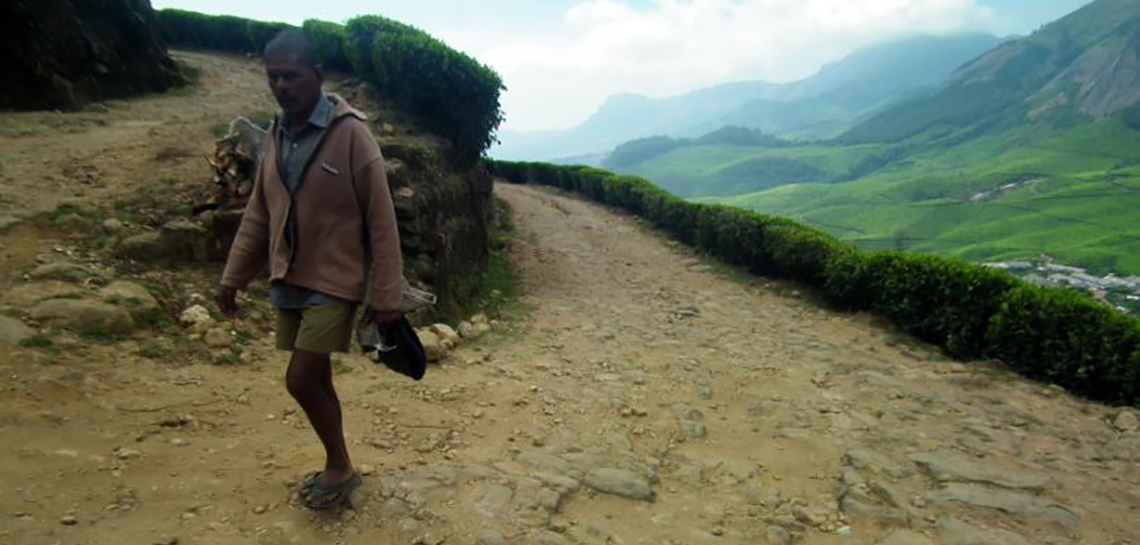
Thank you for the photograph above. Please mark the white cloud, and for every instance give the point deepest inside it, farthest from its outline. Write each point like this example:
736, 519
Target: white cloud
558, 76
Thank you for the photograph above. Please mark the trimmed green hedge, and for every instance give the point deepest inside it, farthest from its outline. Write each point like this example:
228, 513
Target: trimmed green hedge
191, 29
259, 33
329, 41
971, 311
452, 94
1064, 338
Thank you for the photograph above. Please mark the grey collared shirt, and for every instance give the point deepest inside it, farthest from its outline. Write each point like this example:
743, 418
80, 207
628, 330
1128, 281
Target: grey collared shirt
293, 154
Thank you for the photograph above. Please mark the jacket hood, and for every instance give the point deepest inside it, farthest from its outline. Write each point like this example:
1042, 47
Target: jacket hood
342, 108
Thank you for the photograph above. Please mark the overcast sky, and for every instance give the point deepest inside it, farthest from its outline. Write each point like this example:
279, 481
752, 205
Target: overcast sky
560, 59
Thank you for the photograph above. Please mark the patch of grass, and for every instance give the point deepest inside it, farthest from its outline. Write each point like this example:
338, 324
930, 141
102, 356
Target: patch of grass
155, 350
38, 341
500, 283
100, 335
243, 336
88, 212
503, 228
495, 290
193, 77
86, 231
182, 92
166, 199
231, 356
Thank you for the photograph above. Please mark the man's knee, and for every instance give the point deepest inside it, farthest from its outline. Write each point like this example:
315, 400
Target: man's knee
304, 377
299, 387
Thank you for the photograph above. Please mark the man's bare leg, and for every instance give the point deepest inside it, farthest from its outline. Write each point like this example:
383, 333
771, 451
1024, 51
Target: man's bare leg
309, 380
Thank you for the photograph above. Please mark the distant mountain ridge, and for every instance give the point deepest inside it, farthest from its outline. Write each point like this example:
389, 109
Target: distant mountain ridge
627, 116
822, 105
829, 102
1085, 64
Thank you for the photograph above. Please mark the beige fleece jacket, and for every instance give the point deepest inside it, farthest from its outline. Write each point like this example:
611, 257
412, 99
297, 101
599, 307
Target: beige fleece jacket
345, 220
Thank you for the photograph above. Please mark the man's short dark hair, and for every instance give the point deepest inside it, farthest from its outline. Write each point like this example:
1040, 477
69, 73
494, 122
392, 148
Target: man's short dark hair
290, 42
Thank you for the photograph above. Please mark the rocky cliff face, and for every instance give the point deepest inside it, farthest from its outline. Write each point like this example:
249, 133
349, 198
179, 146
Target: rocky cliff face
1086, 63
1108, 78
62, 54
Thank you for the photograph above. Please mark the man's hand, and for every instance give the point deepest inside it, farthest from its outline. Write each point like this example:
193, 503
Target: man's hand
227, 302
385, 318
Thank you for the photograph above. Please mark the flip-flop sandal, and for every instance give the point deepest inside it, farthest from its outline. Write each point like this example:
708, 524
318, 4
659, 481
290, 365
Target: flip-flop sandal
322, 498
312, 480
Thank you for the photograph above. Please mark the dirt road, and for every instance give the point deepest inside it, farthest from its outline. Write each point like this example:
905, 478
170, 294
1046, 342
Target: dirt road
47, 158
648, 397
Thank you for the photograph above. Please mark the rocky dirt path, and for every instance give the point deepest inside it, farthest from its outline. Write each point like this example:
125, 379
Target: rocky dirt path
648, 397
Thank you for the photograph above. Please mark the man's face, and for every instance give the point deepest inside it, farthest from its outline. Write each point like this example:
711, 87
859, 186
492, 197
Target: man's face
295, 86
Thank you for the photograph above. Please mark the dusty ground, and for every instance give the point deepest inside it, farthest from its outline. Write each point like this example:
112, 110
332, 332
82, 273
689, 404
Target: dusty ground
648, 397
47, 158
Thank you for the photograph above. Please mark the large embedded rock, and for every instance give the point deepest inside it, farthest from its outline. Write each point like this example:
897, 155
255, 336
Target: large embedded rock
12, 331
435, 346
620, 482
1126, 421
64, 272
197, 319
177, 241
218, 338
84, 317
905, 537
131, 296
1019, 504
947, 466
861, 458
960, 533
27, 296
450, 338
139, 247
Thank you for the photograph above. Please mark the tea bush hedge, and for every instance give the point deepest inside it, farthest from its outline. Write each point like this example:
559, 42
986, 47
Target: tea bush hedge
971, 311
451, 93
198, 30
1064, 338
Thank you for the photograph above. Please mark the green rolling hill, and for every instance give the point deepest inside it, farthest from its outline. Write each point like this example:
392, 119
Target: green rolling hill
1032, 148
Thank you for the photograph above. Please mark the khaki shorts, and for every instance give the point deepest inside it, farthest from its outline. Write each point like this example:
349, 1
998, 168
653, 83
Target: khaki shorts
322, 329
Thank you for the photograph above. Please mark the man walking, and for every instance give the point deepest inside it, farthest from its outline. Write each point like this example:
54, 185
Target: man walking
320, 217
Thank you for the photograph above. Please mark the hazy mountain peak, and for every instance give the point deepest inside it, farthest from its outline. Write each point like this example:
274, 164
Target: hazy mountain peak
821, 105
1087, 62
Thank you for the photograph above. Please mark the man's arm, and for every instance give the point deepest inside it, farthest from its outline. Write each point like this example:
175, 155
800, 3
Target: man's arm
371, 181
250, 250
